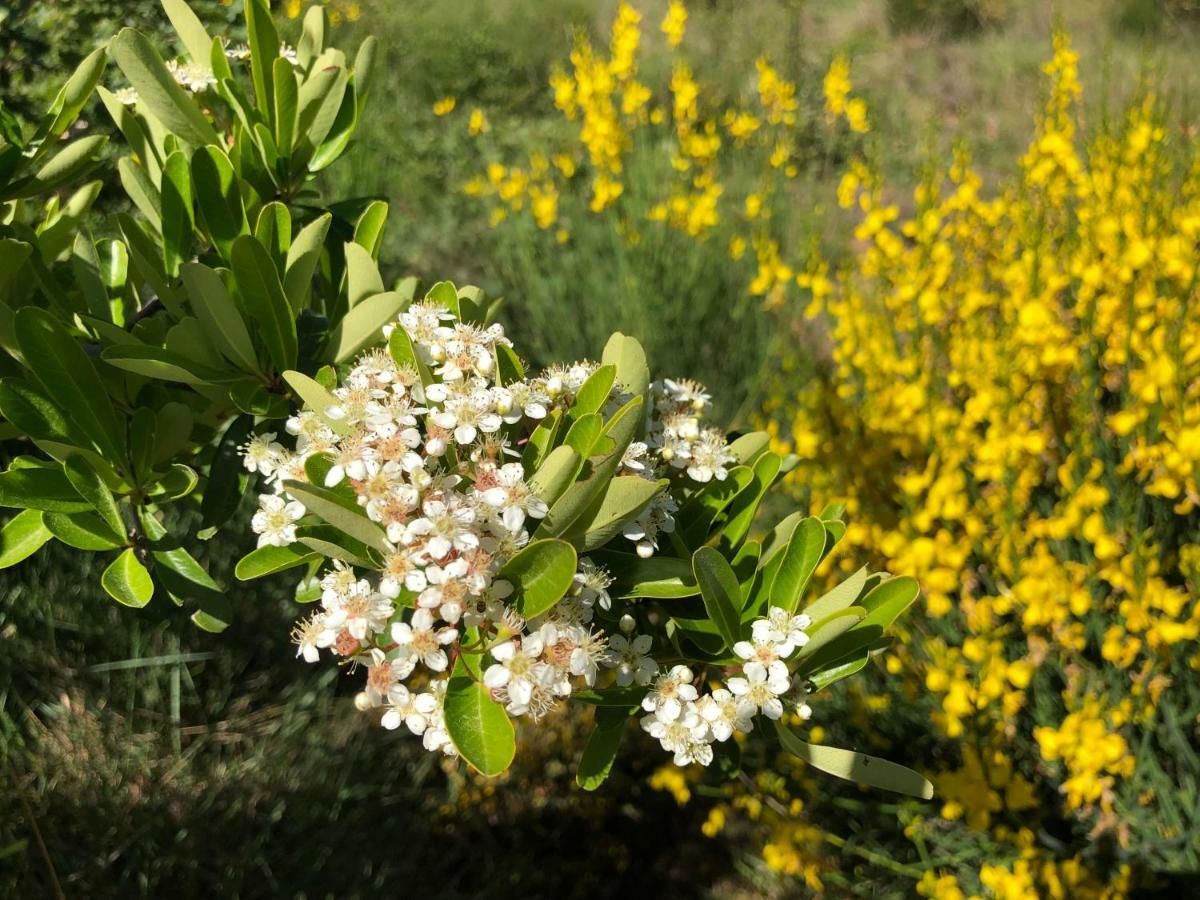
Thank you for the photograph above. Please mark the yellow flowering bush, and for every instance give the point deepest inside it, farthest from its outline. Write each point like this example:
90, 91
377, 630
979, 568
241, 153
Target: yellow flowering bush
682, 186
1011, 409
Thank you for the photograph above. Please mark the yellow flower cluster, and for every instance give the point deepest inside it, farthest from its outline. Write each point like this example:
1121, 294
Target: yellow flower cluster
838, 102
1011, 411
625, 130
338, 11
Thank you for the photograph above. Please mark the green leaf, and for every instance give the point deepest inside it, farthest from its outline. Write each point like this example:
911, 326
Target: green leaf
627, 355
583, 434
800, 560
269, 560
85, 266
127, 581
302, 259
508, 365
274, 231
222, 321
657, 577
264, 50
840, 670
223, 490
219, 198
260, 290
157, 89
857, 767
362, 326
178, 220
594, 392
22, 536
824, 632
838, 597
83, 531
87, 482
32, 413
70, 100
749, 447
556, 474
889, 600
709, 502
317, 399
68, 377
721, 592
287, 106
160, 363
339, 511
141, 190
362, 275
185, 578
67, 165
601, 749
478, 726
191, 32
739, 515
400, 346
622, 502
541, 573
581, 496
368, 230
44, 488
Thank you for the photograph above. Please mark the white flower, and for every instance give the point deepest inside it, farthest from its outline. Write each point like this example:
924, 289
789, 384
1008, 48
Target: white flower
414, 710
191, 76
724, 714
630, 657
783, 628
275, 521
288, 52
761, 687
670, 692
421, 641
306, 636
518, 670
709, 457
443, 527
262, 454
507, 492
686, 736
762, 652
127, 96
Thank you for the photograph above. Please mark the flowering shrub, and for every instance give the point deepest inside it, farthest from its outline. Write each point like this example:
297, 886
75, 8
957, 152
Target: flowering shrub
134, 364
1011, 411
486, 544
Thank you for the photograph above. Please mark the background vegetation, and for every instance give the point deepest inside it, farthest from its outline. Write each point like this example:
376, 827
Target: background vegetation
143, 756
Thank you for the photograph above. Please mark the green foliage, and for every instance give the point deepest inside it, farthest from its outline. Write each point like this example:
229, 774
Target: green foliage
130, 364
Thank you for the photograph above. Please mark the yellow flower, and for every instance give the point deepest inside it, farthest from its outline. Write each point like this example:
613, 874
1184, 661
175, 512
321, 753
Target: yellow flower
477, 123
674, 23
444, 106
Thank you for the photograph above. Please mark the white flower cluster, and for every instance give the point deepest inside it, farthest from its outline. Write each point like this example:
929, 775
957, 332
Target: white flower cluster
687, 724
431, 461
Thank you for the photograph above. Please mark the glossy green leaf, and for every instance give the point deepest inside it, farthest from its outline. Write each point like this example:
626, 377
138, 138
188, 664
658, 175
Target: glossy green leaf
302, 259
362, 275
629, 359
316, 398
127, 581
622, 501
721, 593
556, 474
191, 32
264, 50
40, 488
264, 300
157, 89
857, 767
269, 560
800, 560
164, 364
839, 597
222, 320
184, 577
478, 725
89, 485
219, 198
656, 577
593, 393
68, 377
541, 573
362, 326
83, 531
22, 536
287, 106
749, 447
601, 750
178, 220
340, 512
